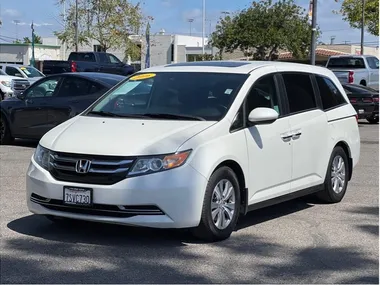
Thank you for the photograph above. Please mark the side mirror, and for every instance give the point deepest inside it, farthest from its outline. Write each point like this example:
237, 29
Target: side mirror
21, 96
262, 116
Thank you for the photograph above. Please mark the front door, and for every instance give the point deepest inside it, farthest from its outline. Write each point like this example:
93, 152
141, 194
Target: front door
269, 145
30, 117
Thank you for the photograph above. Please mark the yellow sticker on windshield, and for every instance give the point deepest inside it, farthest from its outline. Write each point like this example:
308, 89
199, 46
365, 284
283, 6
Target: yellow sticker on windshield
142, 76
22, 68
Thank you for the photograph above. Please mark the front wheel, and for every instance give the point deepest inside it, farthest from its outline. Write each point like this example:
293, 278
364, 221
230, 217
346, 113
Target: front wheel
336, 180
221, 206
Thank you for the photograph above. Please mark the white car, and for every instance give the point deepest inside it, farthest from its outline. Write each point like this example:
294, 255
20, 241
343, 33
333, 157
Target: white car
6, 85
356, 69
196, 145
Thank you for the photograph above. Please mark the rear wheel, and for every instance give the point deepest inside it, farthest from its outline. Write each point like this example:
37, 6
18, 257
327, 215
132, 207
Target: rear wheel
221, 204
336, 180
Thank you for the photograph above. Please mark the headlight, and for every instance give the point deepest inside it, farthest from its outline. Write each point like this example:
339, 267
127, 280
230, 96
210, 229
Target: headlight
158, 163
42, 157
6, 83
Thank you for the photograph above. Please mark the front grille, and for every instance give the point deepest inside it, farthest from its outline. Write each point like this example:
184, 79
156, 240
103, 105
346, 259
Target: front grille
19, 85
97, 209
104, 170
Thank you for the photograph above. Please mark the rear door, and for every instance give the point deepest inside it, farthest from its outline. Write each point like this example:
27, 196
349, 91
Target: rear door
309, 129
74, 96
29, 119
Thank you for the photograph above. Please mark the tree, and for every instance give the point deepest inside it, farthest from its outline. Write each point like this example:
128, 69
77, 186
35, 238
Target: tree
37, 40
109, 22
352, 13
264, 29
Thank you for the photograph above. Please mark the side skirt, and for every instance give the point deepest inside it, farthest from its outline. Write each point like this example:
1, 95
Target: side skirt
284, 198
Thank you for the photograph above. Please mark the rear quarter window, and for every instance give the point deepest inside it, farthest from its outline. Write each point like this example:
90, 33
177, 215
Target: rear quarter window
330, 95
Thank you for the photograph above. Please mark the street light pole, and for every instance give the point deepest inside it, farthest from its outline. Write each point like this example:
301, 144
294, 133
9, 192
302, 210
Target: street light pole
313, 31
32, 61
203, 26
76, 25
362, 29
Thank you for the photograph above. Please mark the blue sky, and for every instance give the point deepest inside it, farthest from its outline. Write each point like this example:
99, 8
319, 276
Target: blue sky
170, 15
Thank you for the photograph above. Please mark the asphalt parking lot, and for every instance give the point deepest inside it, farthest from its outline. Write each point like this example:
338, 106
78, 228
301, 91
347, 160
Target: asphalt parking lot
295, 242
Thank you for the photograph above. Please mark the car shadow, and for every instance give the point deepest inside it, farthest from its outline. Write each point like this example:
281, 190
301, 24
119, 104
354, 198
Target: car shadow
102, 234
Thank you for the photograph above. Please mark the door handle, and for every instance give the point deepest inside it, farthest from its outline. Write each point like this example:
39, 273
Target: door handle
296, 134
286, 137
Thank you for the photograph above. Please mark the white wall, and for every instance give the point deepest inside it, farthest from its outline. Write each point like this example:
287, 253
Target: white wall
190, 41
13, 53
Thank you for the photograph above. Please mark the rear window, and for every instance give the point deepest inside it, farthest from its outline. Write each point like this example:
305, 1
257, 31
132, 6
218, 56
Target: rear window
90, 57
346, 62
358, 89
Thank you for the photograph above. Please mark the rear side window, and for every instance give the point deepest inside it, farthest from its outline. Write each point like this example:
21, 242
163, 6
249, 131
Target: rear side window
300, 93
74, 87
330, 94
373, 62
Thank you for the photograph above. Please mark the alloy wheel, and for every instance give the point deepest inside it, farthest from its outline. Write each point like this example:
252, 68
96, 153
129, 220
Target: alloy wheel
223, 204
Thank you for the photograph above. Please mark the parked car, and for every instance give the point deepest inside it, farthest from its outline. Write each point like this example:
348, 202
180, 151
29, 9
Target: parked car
365, 101
22, 71
195, 145
51, 101
356, 69
88, 62
11, 85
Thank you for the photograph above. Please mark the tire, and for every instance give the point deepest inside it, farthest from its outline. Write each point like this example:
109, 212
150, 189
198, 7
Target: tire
2, 96
5, 134
207, 229
328, 194
373, 120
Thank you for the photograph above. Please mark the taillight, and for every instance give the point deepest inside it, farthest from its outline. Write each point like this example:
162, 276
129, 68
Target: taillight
353, 100
367, 100
357, 118
376, 99
73, 66
351, 77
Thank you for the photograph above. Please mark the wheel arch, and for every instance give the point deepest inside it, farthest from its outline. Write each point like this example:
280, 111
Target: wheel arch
237, 169
347, 150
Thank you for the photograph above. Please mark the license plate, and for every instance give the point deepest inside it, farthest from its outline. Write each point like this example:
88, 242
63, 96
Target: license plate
361, 111
77, 196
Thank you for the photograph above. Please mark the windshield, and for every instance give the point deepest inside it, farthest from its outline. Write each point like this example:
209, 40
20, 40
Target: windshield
172, 95
346, 62
31, 71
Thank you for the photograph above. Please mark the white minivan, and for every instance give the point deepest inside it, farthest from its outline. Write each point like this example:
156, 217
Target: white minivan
196, 145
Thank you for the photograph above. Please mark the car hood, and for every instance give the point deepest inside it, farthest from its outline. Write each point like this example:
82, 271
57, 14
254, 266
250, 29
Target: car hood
121, 136
7, 77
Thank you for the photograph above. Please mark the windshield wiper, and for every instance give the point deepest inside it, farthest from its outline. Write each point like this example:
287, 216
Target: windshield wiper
110, 114
173, 116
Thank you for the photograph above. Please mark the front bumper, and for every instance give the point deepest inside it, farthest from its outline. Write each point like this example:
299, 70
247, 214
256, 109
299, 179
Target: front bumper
178, 193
